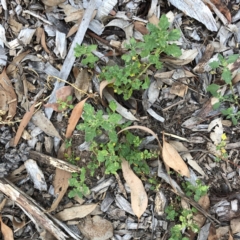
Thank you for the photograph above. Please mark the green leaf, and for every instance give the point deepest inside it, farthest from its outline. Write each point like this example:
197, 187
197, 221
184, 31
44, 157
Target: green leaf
227, 111
114, 118
173, 50
216, 105
214, 64
112, 106
233, 58
227, 75
163, 22
174, 35
213, 88
234, 121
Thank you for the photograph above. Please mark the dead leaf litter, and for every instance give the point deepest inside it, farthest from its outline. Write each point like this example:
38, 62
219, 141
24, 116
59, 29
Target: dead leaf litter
44, 88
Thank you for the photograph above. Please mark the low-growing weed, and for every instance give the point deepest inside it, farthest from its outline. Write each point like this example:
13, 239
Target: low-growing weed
222, 148
195, 191
65, 105
139, 57
214, 89
107, 147
184, 217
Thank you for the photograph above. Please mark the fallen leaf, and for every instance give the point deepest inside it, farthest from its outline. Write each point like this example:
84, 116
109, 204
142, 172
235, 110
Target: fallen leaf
26, 118
16, 223
61, 180
186, 57
75, 212
120, 109
82, 82
212, 233
43, 43
139, 198
61, 94
154, 20
41, 121
140, 26
75, 116
230, 236
198, 218
179, 89
173, 160
222, 7
103, 84
235, 226
148, 130
187, 156
6, 231
8, 98
96, 228
13, 66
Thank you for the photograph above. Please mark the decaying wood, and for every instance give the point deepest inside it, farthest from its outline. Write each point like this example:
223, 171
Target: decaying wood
69, 60
35, 212
53, 161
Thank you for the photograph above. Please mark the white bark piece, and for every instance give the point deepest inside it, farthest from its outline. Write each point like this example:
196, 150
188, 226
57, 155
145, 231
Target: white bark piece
25, 36
123, 24
120, 109
218, 130
105, 8
75, 212
155, 115
2, 35
4, 4
61, 44
70, 59
96, 26
192, 7
36, 175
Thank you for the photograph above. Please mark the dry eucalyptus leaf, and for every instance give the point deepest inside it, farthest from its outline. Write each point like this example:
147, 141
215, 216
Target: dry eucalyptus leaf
26, 118
61, 180
75, 212
6, 231
139, 198
187, 156
8, 98
82, 82
75, 116
41, 121
96, 228
173, 160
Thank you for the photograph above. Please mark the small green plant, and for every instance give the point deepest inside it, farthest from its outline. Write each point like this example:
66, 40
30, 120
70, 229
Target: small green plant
195, 191
132, 75
139, 57
109, 151
78, 183
85, 53
222, 148
185, 219
226, 76
64, 105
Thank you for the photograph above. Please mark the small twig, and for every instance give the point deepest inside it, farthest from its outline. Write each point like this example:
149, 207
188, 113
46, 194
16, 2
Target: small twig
175, 136
37, 16
72, 85
197, 206
167, 108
